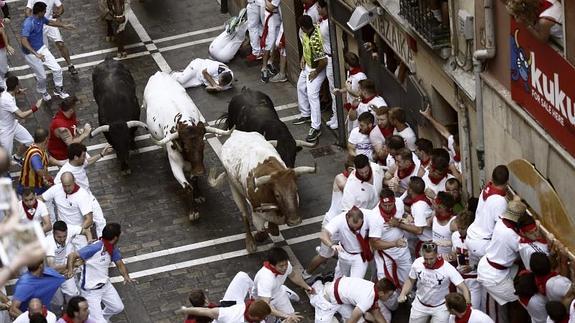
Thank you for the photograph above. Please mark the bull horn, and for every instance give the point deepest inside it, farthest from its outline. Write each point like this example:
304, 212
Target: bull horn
167, 139
262, 180
305, 170
301, 143
136, 123
218, 131
100, 129
273, 143
264, 207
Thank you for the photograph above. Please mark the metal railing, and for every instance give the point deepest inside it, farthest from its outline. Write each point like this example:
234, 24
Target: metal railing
420, 16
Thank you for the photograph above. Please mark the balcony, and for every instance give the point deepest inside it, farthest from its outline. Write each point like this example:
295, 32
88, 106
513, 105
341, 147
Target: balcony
419, 15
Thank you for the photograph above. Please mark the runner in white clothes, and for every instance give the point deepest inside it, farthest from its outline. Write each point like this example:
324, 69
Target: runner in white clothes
34, 210
392, 257
461, 312
59, 246
436, 176
95, 283
363, 185
433, 275
35, 309
358, 142
405, 170
398, 120
529, 298
531, 240
369, 102
215, 76
420, 209
351, 89
73, 204
354, 253
492, 204
269, 280
443, 225
78, 160
253, 11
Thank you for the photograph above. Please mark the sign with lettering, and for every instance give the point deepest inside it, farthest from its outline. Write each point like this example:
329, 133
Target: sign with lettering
543, 83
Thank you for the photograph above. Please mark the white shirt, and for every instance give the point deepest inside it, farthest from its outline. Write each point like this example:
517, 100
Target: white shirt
404, 182
408, 136
433, 284
376, 137
365, 107
526, 249
421, 212
361, 142
436, 188
338, 226
96, 263
232, 314
487, 214
357, 292
451, 149
37, 214
79, 172
572, 312
324, 31
214, 69
352, 82
501, 250
363, 195
49, 6
378, 228
442, 235
476, 317
313, 13
71, 208
8, 106
267, 284
25, 318
536, 308
61, 252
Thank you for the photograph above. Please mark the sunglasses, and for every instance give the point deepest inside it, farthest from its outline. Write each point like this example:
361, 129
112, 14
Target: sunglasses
429, 246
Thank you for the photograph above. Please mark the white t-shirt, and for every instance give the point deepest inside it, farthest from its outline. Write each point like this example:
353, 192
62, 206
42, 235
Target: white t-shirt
312, 12
487, 214
8, 106
96, 264
442, 235
37, 214
408, 136
526, 249
214, 69
378, 228
404, 182
267, 284
347, 238
365, 107
49, 6
357, 292
61, 252
352, 82
362, 194
79, 172
451, 149
25, 318
476, 317
376, 137
324, 31
502, 250
572, 312
436, 188
536, 308
433, 284
421, 212
71, 208
232, 314
361, 142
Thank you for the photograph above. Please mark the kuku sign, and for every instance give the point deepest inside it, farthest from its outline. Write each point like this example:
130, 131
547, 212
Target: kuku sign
543, 83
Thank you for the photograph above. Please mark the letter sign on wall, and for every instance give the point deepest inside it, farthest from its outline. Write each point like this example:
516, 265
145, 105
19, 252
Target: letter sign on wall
543, 83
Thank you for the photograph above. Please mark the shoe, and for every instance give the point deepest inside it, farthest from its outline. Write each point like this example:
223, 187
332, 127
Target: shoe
333, 126
313, 135
278, 78
317, 249
265, 75
72, 70
302, 120
272, 69
305, 275
59, 91
46, 97
19, 160
252, 58
293, 296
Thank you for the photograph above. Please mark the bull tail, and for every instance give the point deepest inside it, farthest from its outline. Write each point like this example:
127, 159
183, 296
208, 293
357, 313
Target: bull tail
215, 181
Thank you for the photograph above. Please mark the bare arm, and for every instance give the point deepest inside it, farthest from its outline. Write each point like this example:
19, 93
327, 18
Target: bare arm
88, 221
27, 12
407, 287
465, 291
124, 271
209, 78
377, 316
9, 48
26, 44
325, 237
297, 279
14, 310
438, 126
411, 228
212, 313
103, 153
351, 149
59, 24
379, 244
58, 11
68, 139
46, 224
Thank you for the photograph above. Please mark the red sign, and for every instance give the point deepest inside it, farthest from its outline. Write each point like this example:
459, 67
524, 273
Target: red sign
543, 83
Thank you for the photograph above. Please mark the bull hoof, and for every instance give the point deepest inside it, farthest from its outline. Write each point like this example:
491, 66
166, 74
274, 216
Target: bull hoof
251, 246
273, 229
261, 236
199, 199
194, 216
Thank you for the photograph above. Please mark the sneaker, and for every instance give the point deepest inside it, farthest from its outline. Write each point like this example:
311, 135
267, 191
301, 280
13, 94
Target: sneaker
305, 275
272, 69
317, 249
278, 78
265, 75
59, 91
333, 126
313, 135
72, 70
46, 97
19, 160
302, 120
252, 58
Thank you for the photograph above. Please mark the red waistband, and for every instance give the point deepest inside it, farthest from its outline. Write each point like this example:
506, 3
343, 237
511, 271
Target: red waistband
495, 265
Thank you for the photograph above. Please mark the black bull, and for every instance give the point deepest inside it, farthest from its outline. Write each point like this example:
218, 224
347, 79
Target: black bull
118, 108
254, 111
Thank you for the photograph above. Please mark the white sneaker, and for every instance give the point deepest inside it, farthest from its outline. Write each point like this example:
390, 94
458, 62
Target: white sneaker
329, 122
46, 97
333, 126
58, 91
317, 249
305, 275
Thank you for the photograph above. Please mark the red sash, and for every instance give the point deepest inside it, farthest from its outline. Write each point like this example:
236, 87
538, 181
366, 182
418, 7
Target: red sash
393, 275
336, 291
495, 265
366, 254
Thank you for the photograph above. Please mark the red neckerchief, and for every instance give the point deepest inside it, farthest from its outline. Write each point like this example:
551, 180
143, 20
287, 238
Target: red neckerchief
438, 263
366, 254
409, 201
246, 316
510, 224
346, 173
306, 7
457, 157
465, 317
448, 213
386, 131
524, 239
425, 163
364, 179
108, 246
490, 189
354, 70
436, 180
541, 281
67, 319
272, 269
366, 100
29, 215
403, 173
44, 311
387, 216
74, 190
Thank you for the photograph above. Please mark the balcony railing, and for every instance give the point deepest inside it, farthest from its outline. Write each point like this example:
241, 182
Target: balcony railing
420, 16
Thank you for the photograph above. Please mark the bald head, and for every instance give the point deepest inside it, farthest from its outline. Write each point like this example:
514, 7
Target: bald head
354, 218
35, 306
68, 182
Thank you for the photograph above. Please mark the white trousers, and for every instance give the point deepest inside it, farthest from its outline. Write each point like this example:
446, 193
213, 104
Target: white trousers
67, 290
477, 293
3, 67
402, 261
308, 96
421, 313
191, 76
238, 288
501, 290
106, 295
274, 22
329, 75
350, 265
37, 67
98, 217
282, 303
255, 27
19, 133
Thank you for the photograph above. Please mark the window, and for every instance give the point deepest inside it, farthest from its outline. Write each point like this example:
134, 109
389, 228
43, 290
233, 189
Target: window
429, 19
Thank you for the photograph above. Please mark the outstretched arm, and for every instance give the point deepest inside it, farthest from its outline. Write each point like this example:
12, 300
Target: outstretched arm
438, 126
